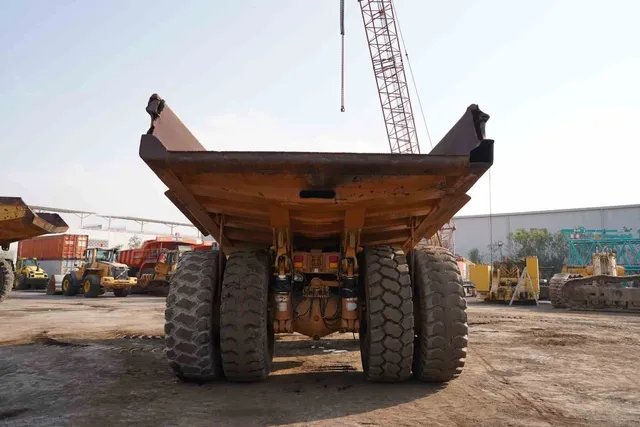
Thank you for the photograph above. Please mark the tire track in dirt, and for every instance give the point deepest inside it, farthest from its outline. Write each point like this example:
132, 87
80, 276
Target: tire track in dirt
543, 409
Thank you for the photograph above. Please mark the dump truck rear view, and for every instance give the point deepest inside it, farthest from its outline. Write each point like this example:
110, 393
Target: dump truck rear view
316, 243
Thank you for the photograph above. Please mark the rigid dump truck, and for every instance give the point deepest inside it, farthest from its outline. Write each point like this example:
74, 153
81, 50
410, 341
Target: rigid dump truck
316, 243
19, 222
154, 262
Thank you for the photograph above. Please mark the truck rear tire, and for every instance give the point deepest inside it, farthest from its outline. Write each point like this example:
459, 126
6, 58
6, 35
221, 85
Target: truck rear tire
386, 327
91, 286
246, 331
441, 320
69, 287
192, 330
121, 293
6, 279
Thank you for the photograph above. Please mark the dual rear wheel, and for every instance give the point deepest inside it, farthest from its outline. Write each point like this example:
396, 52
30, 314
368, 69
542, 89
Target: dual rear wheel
418, 329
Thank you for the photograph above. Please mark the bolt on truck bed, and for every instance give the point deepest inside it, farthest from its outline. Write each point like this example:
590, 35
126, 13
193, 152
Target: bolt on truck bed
239, 197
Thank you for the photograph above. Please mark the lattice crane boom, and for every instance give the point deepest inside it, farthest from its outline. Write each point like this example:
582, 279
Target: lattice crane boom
382, 34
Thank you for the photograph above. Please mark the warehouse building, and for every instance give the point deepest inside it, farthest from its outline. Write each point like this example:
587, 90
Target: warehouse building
478, 231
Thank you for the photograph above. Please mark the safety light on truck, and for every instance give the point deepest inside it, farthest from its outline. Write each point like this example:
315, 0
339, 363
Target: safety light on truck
333, 262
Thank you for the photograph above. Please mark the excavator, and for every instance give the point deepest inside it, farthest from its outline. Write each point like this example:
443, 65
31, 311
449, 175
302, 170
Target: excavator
596, 287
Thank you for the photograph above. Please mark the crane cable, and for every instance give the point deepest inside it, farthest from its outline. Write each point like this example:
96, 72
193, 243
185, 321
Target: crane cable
342, 56
406, 54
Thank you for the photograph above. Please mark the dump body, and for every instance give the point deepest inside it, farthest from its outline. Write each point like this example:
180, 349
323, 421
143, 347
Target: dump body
240, 197
19, 222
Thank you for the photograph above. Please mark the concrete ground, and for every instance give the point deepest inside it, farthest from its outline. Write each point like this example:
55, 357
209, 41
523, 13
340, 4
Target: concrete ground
74, 361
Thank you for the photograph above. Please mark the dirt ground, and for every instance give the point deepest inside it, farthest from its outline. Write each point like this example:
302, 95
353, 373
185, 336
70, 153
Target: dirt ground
73, 361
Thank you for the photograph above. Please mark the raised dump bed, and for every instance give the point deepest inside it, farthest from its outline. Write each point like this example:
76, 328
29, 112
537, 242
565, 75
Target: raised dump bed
315, 243
19, 222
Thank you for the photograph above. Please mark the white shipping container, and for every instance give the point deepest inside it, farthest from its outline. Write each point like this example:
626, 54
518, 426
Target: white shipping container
463, 265
59, 266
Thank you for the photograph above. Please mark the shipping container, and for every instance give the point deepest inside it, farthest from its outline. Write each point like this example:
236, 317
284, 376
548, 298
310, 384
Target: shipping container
59, 266
54, 247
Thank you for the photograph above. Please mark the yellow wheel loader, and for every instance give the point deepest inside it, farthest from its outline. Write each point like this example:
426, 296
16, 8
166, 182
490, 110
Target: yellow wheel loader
99, 273
19, 222
29, 274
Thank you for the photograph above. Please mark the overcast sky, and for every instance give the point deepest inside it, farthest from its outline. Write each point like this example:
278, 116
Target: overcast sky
559, 79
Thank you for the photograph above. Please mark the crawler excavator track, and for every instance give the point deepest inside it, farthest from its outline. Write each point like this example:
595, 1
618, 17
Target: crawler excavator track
596, 293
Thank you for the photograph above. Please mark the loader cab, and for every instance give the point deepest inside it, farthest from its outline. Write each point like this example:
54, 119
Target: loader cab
97, 255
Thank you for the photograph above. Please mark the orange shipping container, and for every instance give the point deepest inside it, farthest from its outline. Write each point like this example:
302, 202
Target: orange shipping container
58, 246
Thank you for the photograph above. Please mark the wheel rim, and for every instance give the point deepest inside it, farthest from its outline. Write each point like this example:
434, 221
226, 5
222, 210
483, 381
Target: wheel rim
87, 286
65, 285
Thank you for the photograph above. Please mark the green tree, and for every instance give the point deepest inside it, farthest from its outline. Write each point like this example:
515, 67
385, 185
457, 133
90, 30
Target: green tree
474, 256
135, 242
550, 248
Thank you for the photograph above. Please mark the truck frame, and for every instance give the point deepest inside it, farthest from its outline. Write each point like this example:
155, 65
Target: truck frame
316, 243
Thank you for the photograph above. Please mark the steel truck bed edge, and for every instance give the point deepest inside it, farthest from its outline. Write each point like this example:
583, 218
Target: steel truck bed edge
236, 196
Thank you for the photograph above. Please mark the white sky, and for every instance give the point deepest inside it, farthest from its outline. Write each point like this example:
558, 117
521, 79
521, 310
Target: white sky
559, 79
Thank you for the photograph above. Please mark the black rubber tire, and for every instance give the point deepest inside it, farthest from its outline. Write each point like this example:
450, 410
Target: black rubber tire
6, 279
441, 319
192, 331
93, 290
556, 295
72, 288
21, 284
121, 293
246, 330
386, 328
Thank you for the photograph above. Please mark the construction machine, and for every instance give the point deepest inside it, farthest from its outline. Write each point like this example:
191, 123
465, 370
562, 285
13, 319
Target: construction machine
596, 287
100, 272
507, 280
157, 281
154, 262
318, 243
19, 222
29, 274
